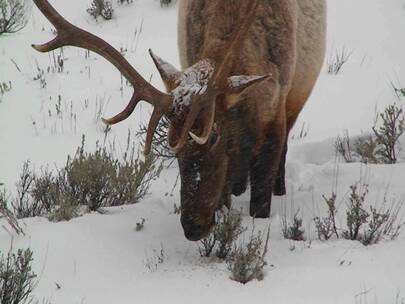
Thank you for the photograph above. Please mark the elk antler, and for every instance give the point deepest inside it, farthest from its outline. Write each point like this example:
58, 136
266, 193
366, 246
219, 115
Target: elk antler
70, 35
219, 80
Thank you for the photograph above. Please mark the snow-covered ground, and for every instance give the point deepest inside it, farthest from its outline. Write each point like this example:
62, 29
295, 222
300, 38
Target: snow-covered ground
102, 259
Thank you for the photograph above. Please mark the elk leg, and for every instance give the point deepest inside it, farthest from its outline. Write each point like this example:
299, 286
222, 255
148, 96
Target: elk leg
292, 112
226, 197
279, 183
263, 169
242, 167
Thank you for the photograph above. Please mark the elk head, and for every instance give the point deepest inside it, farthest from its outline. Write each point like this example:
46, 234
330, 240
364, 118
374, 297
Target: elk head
194, 104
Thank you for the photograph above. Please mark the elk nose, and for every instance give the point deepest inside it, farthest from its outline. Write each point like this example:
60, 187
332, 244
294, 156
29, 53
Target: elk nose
194, 231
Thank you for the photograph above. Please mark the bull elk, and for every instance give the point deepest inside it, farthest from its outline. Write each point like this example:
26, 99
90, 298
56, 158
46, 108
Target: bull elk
248, 69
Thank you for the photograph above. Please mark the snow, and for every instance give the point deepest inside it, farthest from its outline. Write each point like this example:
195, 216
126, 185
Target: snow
235, 82
193, 81
101, 258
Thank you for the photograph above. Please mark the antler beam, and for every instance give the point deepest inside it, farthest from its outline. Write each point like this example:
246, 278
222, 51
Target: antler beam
70, 35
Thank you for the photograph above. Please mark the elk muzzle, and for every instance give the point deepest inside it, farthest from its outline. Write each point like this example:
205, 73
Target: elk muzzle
197, 228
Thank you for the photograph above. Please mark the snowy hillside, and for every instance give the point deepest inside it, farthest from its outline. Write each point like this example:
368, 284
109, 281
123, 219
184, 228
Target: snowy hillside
101, 258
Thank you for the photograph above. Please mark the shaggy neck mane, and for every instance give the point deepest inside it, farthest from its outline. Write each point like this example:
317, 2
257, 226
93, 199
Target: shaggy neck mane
221, 20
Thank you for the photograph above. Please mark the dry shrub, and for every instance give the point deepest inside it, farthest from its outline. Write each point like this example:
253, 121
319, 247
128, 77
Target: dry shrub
365, 147
356, 214
343, 147
247, 261
388, 132
380, 147
326, 227
6, 213
101, 8
165, 2
293, 230
89, 180
364, 222
336, 62
12, 16
22, 205
160, 146
226, 231
383, 223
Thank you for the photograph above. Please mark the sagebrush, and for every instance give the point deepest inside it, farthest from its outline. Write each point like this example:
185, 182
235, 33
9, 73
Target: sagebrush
7, 214
364, 222
356, 214
101, 8
293, 230
12, 16
17, 280
326, 227
382, 146
160, 146
89, 180
388, 128
226, 231
247, 261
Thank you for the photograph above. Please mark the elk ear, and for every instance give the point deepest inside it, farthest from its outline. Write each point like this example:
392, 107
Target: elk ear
168, 72
238, 84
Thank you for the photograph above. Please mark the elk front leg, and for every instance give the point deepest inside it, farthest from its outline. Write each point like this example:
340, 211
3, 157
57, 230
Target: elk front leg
279, 183
263, 171
226, 197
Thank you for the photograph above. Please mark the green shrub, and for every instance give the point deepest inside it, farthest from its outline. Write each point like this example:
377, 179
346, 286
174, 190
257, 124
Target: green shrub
16, 277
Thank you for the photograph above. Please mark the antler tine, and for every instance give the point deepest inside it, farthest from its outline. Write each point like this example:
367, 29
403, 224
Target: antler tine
124, 114
237, 37
153, 124
68, 34
208, 125
191, 117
